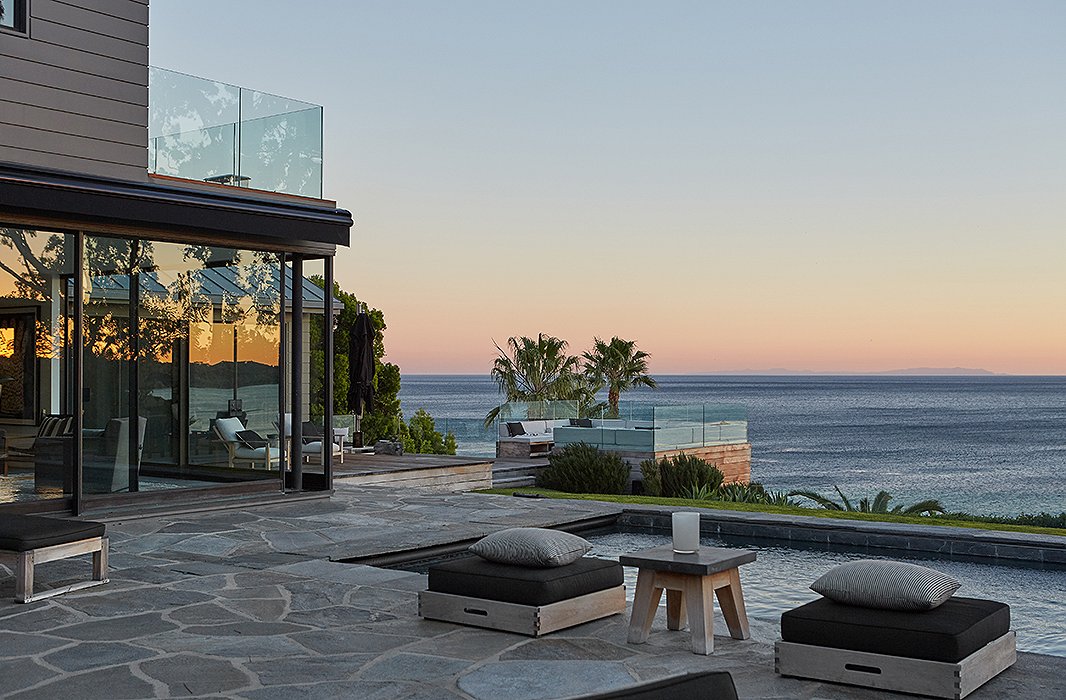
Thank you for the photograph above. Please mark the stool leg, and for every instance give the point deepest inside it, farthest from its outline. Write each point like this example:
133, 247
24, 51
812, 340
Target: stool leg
731, 600
100, 562
675, 609
24, 577
645, 603
699, 599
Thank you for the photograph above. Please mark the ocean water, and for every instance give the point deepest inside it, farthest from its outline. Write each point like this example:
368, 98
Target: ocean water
984, 445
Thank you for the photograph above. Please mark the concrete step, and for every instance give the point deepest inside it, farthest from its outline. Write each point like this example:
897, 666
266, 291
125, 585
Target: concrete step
508, 482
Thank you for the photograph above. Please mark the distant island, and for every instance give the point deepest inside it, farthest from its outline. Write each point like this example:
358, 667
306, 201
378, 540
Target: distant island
909, 372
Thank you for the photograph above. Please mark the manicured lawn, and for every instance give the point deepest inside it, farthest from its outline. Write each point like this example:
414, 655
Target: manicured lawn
759, 508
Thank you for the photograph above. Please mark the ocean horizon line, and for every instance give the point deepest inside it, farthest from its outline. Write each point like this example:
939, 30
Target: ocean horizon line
914, 374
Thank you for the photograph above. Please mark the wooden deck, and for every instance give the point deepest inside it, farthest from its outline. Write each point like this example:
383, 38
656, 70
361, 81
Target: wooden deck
435, 472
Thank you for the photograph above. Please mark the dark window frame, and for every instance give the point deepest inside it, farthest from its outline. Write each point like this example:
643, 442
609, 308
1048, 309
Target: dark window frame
19, 16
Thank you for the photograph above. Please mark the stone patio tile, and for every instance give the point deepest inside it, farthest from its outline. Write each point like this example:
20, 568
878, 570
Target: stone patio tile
342, 690
140, 600
244, 628
205, 545
350, 641
18, 674
468, 643
156, 573
116, 629
39, 619
355, 574
207, 613
308, 594
374, 598
199, 568
255, 592
266, 560
212, 676
309, 669
542, 680
414, 667
14, 645
337, 616
296, 542
84, 656
264, 610
150, 543
117, 683
574, 649
273, 647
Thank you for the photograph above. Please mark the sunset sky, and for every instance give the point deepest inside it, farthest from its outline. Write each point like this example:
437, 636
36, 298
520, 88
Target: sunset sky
812, 185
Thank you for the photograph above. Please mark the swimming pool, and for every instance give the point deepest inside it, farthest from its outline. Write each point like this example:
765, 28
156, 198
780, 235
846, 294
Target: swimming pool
778, 581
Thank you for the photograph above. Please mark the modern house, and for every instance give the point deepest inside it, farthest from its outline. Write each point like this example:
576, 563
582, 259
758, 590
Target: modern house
157, 237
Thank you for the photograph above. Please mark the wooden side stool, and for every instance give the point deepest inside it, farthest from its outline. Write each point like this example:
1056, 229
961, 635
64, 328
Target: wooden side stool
35, 540
691, 581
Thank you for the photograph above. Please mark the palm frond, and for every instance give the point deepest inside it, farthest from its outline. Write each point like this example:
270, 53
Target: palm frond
818, 498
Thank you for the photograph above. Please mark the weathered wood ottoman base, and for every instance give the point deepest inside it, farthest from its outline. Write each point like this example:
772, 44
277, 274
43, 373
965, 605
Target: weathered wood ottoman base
947, 652
520, 599
35, 540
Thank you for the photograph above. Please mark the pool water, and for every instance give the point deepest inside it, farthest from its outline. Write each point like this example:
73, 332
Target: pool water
778, 581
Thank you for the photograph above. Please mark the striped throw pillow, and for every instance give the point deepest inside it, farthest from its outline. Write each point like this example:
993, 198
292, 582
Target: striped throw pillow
886, 585
531, 546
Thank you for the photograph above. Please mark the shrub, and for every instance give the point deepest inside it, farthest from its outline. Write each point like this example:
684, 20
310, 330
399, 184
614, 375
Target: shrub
583, 468
679, 475
649, 471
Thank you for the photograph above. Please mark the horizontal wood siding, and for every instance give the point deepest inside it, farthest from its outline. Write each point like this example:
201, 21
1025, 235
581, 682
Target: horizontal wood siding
74, 95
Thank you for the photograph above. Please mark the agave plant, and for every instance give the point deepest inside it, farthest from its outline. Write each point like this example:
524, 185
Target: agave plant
879, 504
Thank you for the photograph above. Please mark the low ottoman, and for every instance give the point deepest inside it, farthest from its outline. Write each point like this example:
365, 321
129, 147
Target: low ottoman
946, 652
532, 601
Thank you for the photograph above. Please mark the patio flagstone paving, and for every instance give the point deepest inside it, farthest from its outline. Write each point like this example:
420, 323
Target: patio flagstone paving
254, 603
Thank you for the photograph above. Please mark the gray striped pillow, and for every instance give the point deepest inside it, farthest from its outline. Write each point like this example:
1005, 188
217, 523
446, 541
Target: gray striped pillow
887, 585
531, 546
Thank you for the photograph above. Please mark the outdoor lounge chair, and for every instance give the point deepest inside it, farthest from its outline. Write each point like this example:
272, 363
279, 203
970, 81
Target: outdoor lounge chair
34, 540
246, 445
313, 440
531, 601
946, 652
706, 685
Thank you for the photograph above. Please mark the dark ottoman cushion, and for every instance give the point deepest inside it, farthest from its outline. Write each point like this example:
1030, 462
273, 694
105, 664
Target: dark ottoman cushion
476, 578
21, 533
949, 632
707, 685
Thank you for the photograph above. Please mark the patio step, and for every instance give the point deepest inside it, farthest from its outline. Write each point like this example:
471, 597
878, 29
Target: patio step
509, 482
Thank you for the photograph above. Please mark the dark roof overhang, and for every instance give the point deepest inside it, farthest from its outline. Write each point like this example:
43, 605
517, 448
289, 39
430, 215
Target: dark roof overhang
229, 215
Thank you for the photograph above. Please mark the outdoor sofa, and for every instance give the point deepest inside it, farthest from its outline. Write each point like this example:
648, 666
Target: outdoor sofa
706, 685
33, 540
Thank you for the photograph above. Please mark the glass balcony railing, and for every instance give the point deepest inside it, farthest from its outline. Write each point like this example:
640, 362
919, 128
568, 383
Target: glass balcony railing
200, 129
634, 427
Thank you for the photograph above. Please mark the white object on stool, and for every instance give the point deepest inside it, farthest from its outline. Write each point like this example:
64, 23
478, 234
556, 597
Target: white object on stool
686, 529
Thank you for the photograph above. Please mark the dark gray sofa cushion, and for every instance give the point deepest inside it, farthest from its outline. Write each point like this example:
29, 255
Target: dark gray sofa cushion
949, 632
21, 533
477, 578
708, 685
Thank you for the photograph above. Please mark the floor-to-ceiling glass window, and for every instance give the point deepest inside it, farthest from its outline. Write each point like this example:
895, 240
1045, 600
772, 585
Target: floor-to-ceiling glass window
186, 338
36, 269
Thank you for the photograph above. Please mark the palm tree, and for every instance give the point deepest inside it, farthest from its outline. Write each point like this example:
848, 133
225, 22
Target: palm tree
537, 370
618, 366
878, 505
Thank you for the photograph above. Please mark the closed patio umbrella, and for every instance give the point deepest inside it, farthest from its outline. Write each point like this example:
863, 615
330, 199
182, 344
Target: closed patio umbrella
361, 365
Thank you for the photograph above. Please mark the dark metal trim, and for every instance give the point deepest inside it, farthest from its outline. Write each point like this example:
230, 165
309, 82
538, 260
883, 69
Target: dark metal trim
327, 380
77, 347
297, 337
150, 205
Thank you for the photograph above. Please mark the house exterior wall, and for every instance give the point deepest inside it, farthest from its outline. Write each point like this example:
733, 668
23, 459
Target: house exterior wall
74, 90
